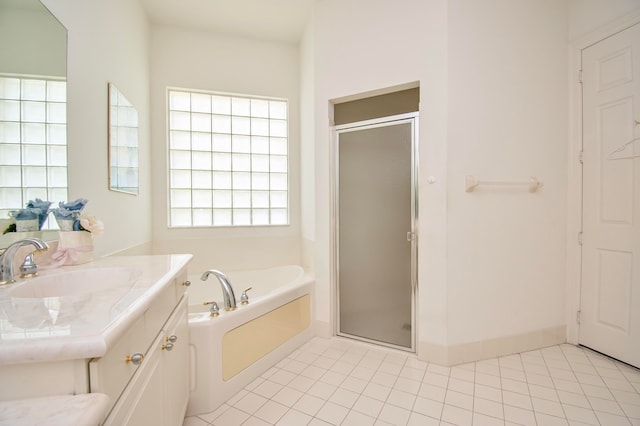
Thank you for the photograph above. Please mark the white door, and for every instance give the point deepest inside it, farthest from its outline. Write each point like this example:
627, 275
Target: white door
610, 296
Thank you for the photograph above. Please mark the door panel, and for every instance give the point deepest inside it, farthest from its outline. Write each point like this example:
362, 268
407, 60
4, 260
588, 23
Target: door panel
610, 295
614, 289
374, 217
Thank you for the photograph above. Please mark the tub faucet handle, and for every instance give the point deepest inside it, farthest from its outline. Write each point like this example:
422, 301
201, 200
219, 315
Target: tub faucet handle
215, 310
244, 299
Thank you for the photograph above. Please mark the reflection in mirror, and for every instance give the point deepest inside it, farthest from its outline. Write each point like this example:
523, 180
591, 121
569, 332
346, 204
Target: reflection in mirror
11, 237
123, 143
33, 97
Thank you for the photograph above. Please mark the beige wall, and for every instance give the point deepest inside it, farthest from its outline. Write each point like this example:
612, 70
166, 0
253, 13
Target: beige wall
33, 42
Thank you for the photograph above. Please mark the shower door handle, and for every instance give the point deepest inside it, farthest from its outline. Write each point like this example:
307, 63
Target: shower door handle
411, 236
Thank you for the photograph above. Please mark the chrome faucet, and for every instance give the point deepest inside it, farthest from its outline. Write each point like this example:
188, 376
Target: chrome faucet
29, 267
227, 290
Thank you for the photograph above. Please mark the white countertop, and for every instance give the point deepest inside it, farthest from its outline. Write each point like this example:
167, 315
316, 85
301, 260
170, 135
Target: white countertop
63, 410
80, 326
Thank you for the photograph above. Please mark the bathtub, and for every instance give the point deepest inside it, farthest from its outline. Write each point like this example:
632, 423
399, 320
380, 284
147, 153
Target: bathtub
231, 350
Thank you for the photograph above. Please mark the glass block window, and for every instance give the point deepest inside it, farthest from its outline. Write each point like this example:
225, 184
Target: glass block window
228, 160
33, 141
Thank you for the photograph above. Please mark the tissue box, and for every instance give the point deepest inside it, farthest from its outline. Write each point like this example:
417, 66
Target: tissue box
77, 245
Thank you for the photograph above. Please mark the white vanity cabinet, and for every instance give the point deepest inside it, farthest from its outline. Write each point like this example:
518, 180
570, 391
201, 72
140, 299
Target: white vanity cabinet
176, 369
126, 337
146, 374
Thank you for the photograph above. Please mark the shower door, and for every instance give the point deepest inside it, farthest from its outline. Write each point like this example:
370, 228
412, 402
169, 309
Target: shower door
376, 245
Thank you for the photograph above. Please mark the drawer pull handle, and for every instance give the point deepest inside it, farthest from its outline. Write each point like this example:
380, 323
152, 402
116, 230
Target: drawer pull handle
135, 359
168, 346
186, 283
172, 338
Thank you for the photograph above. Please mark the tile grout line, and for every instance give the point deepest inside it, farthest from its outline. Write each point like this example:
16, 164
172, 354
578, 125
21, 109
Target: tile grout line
573, 359
555, 389
580, 383
595, 354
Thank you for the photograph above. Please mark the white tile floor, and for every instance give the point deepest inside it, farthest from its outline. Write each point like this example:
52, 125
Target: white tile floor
344, 382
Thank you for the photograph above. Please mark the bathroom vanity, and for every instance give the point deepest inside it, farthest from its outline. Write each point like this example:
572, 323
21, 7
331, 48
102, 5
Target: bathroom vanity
116, 326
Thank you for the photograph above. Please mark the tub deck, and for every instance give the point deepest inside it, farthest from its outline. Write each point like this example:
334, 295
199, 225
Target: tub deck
229, 351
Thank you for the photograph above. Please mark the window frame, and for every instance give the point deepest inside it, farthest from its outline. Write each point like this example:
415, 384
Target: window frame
49, 165
282, 189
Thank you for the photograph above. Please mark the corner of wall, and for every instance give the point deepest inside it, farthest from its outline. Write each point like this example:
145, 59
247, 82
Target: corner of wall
308, 255
145, 248
491, 348
323, 329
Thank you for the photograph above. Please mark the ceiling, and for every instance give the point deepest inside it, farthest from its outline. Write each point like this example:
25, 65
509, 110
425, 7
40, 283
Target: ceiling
274, 20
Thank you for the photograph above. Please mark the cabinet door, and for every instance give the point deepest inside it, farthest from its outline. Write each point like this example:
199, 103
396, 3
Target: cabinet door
141, 402
146, 411
176, 367
159, 391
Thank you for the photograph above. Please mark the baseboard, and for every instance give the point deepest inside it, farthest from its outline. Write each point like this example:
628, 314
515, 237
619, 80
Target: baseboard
323, 329
502, 346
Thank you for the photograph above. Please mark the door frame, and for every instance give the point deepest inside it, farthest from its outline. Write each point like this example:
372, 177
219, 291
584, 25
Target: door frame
575, 177
413, 119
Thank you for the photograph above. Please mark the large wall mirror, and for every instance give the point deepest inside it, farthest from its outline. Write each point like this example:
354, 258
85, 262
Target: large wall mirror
123, 143
33, 105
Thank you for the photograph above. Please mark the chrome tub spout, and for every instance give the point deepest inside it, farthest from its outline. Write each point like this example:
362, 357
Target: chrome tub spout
227, 291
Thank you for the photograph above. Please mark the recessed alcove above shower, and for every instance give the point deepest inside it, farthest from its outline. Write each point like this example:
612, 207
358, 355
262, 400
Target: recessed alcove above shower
377, 104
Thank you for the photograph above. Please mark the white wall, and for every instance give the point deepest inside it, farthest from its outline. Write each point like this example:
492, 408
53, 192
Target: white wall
361, 46
508, 115
307, 146
493, 79
107, 42
207, 61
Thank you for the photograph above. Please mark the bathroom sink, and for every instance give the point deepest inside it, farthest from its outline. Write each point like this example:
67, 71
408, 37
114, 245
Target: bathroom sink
76, 282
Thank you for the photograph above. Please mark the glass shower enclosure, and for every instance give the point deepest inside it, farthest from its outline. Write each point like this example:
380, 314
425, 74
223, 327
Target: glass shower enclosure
376, 222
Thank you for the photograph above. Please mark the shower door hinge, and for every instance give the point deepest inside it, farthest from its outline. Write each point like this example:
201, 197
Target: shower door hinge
580, 238
581, 157
578, 314
580, 76
411, 236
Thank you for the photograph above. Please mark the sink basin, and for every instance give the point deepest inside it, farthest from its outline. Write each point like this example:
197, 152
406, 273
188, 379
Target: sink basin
76, 282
